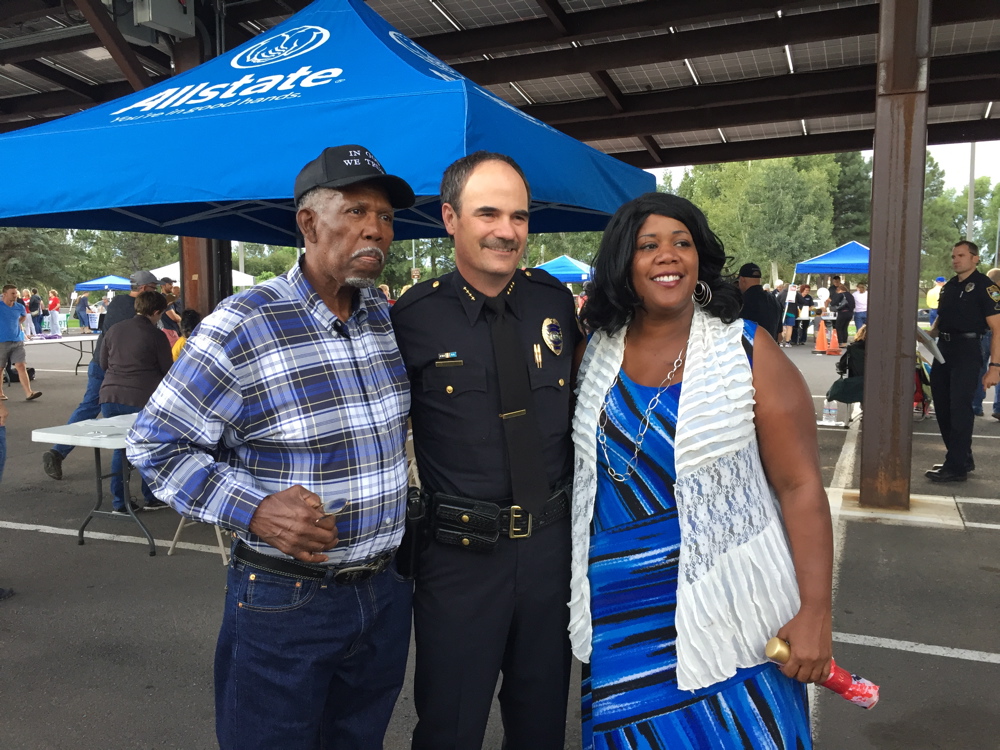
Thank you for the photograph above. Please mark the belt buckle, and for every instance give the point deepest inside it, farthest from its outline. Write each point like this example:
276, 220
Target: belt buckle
516, 529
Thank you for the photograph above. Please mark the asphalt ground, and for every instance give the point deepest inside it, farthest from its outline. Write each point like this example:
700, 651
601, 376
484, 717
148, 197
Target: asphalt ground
106, 647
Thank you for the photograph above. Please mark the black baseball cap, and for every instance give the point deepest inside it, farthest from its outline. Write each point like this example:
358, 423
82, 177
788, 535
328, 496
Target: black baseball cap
750, 271
342, 166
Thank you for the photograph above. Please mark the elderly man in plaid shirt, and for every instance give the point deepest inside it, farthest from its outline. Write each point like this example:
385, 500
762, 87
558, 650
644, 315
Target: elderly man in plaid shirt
284, 420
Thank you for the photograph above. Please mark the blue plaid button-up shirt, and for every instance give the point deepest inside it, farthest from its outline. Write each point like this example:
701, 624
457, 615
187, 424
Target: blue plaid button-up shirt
267, 394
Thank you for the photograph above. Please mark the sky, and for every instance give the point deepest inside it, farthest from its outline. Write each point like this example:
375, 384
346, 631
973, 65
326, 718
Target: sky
953, 159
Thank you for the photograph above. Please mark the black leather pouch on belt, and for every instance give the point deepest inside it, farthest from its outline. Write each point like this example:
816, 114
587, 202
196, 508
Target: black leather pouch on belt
467, 523
415, 533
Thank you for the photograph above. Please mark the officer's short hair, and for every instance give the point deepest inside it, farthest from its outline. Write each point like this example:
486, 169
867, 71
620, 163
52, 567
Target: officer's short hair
457, 174
973, 247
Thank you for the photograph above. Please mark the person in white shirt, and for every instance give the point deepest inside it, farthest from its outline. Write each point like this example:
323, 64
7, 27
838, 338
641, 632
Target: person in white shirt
860, 306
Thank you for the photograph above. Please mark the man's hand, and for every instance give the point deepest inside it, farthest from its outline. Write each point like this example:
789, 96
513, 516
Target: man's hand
293, 521
991, 378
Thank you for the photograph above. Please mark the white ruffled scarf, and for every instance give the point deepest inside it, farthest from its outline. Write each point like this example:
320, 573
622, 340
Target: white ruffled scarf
736, 580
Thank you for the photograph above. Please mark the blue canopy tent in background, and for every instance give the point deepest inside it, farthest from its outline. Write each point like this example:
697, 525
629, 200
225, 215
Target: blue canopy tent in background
214, 152
103, 283
567, 269
849, 258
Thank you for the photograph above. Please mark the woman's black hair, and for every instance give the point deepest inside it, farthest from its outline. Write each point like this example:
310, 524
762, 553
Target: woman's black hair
612, 302
189, 321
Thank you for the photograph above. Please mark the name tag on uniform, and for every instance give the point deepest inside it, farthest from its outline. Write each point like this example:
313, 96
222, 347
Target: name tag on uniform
449, 363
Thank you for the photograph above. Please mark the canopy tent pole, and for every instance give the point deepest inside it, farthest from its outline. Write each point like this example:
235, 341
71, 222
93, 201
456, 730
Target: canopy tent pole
897, 212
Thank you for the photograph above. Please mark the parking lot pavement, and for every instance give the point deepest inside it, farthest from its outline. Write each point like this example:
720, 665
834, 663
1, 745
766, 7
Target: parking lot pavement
105, 647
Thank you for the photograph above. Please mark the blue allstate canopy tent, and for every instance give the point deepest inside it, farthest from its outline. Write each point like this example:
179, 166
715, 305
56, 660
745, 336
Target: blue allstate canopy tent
849, 258
566, 269
104, 282
214, 152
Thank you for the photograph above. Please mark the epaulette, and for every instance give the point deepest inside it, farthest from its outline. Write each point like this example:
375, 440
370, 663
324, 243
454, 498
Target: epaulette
416, 293
539, 276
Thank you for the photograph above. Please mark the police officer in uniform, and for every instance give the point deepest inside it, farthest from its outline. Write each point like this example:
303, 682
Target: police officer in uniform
969, 303
490, 351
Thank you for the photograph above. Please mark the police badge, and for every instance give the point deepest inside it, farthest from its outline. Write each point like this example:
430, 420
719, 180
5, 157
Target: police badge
970, 286
552, 335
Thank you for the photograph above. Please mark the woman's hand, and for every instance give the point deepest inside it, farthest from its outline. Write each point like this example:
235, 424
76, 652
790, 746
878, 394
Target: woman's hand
810, 637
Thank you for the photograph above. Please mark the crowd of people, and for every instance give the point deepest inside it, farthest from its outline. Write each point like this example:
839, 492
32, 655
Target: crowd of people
675, 502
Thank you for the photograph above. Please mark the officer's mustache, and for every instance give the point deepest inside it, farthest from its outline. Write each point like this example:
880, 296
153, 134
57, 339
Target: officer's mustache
499, 243
369, 252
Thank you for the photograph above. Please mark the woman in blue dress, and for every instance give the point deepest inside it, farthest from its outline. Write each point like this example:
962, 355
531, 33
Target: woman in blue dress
700, 523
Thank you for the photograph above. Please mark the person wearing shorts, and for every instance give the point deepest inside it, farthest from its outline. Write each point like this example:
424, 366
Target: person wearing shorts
12, 313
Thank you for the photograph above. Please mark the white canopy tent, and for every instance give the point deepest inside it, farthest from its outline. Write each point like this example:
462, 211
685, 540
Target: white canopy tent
173, 271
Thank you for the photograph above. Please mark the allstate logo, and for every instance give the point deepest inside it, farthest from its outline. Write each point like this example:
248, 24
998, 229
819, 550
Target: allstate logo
284, 46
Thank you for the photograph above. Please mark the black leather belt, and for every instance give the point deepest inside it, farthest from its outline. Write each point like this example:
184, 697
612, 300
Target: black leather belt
345, 575
479, 524
951, 336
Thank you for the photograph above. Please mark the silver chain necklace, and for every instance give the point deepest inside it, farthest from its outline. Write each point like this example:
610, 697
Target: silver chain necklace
602, 438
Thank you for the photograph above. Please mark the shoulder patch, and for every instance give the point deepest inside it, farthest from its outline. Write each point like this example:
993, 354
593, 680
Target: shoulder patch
539, 276
417, 293
994, 291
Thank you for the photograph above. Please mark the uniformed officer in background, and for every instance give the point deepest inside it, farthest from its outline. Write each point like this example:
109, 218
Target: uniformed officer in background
490, 351
969, 304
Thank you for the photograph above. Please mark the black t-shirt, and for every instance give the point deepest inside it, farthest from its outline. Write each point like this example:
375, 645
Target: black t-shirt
965, 305
762, 308
178, 307
842, 303
443, 332
35, 303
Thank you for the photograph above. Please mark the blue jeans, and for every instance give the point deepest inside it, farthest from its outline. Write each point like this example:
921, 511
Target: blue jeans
980, 397
117, 483
860, 319
90, 407
931, 316
3, 450
37, 320
311, 664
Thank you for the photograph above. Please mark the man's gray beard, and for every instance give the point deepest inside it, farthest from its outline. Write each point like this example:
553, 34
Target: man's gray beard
359, 282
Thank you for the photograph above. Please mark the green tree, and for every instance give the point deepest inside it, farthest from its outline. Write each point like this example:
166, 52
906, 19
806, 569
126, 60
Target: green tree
852, 199
265, 259
42, 258
105, 253
988, 233
773, 211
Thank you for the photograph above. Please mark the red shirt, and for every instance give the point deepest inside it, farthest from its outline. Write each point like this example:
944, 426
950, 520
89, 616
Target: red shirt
53, 303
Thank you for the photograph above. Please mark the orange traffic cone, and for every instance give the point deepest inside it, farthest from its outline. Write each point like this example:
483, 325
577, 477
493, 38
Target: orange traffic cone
821, 344
834, 344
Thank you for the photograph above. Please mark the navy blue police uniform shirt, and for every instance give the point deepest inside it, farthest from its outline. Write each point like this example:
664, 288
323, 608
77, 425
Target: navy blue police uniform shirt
964, 306
443, 332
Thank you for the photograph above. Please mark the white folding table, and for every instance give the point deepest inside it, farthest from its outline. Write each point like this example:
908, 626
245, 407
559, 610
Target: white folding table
99, 434
70, 342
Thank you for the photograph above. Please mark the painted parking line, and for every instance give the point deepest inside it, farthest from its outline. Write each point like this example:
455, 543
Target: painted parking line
917, 648
160, 543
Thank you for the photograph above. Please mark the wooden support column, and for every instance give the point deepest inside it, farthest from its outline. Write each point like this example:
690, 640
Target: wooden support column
206, 265
894, 270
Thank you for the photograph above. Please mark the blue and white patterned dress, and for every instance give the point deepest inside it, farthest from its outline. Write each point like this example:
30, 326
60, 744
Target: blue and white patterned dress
630, 695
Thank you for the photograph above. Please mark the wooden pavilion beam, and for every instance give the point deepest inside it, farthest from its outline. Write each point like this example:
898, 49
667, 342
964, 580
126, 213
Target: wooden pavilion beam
954, 68
10, 55
591, 24
19, 11
111, 37
258, 9
719, 40
72, 85
898, 164
797, 108
649, 15
803, 145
